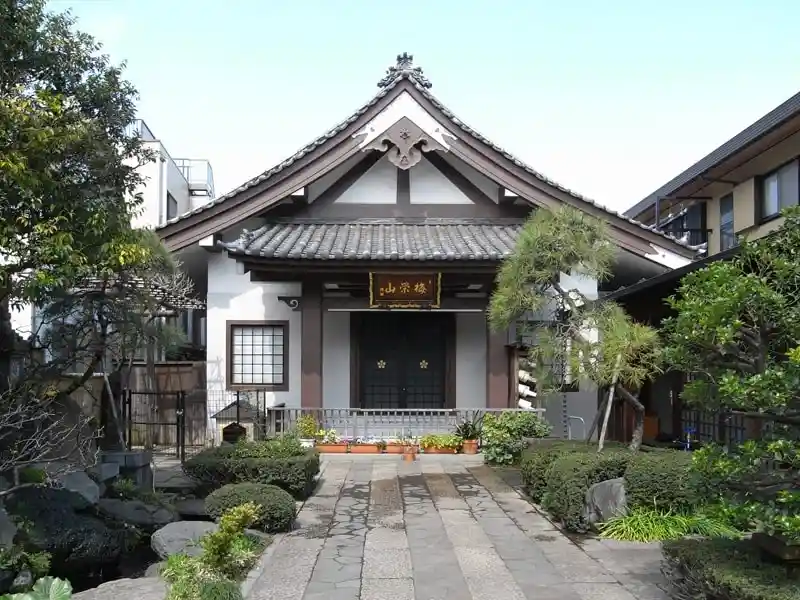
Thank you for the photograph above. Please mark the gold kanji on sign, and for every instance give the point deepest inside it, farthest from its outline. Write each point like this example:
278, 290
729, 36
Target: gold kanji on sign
405, 290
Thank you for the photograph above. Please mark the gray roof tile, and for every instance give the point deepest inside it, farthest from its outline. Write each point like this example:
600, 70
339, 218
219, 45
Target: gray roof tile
424, 88
381, 239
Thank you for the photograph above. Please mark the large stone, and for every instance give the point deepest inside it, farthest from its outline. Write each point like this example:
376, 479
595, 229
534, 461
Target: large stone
605, 500
180, 537
191, 508
80, 483
135, 512
144, 588
7, 529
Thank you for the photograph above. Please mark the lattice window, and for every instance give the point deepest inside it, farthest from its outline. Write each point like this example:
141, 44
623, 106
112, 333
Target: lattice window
258, 354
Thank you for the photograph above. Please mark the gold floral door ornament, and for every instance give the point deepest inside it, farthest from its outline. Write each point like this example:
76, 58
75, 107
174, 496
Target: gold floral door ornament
381, 364
423, 364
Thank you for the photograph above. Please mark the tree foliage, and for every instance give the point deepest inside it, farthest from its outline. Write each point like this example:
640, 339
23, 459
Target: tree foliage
539, 285
737, 334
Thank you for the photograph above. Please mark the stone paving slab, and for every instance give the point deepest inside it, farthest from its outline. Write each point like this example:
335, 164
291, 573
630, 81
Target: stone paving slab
442, 528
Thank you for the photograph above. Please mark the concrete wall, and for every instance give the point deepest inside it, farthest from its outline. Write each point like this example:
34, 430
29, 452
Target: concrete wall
470, 360
336, 359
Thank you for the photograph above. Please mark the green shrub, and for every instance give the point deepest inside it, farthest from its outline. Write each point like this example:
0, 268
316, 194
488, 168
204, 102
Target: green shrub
17, 558
502, 435
661, 481
537, 460
227, 556
277, 505
569, 478
47, 588
255, 463
725, 569
648, 525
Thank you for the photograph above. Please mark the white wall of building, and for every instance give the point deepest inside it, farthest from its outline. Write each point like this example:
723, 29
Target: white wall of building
233, 297
336, 359
470, 360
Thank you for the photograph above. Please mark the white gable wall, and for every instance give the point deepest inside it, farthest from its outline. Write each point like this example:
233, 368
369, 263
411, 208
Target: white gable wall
429, 186
377, 186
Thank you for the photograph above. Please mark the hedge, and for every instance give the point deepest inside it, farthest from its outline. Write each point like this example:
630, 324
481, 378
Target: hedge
539, 457
660, 481
570, 477
214, 467
725, 570
277, 505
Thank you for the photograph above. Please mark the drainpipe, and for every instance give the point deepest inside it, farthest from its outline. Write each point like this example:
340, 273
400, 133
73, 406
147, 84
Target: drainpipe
162, 189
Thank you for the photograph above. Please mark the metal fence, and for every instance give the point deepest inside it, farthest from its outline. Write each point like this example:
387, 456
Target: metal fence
707, 426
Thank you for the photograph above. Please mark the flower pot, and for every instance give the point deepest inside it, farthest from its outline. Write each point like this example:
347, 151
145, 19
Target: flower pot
470, 447
441, 450
307, 442
410, 454
364, 449
395, 448
332, 448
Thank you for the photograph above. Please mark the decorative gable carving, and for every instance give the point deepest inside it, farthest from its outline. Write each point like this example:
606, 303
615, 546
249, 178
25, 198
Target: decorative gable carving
404, 143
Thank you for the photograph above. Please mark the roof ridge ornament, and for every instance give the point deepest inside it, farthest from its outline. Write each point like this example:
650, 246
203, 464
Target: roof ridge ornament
404, 68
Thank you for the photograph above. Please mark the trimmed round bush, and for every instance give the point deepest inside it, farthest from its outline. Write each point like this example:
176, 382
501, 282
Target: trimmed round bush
570, 477
255, 462
539, 457
277, 505
660, 481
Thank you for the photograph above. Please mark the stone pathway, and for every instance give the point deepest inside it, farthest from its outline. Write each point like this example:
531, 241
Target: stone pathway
442, 528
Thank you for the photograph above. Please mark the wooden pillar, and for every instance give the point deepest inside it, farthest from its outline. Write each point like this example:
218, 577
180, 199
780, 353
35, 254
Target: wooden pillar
497, 370
311, 346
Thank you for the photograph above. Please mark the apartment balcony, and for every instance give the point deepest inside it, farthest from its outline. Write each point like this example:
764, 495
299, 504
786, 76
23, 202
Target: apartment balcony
693, 237
138, 128
198, 174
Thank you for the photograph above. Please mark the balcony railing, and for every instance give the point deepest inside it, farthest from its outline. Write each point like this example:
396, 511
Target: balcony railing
199, 174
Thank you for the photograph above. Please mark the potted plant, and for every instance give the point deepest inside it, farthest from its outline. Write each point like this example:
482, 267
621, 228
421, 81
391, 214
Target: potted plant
329, 441
306, 430
410, 447
382, 445
469, 430
364, 446
440, 443
395, 446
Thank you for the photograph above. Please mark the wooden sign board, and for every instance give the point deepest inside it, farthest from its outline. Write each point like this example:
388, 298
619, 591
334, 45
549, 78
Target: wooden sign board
405, 290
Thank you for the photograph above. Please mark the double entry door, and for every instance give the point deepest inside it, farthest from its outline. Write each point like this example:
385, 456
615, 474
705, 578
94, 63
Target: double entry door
402, 360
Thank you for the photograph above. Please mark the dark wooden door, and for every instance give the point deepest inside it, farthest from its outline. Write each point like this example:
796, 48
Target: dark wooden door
403, 360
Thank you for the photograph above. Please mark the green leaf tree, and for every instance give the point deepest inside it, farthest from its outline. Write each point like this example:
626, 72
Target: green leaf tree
68, 174
589, 338
737, 335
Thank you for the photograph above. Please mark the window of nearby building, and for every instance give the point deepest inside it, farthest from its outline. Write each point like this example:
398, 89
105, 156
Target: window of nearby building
780, 189
172, 206
258, 355
727, 234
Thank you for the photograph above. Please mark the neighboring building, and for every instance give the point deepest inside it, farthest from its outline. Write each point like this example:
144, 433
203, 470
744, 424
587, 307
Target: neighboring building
738, 189
356, 273
170, 187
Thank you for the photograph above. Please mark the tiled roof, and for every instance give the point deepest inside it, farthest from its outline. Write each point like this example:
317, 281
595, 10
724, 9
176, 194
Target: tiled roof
423, 86
381, 239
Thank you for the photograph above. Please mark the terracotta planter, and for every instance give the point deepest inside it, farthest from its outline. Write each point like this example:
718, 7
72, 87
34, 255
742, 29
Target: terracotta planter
470, 447
364, 449
395, 449
332, 448
410, 454
441, 450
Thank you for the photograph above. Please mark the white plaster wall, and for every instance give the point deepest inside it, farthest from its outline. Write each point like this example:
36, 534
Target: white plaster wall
336, 359
483, 183
323, 183
470, 360
178, 187
429, 186
232, 296
377, 186
152, 189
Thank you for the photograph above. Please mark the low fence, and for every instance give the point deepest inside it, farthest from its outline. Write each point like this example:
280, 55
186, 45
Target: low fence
707, 426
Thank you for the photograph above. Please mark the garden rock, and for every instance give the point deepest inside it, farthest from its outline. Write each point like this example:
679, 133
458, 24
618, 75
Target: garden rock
76, 541
605, 500
7, 529
180, 537
80, 483
154, 570
191, 508
22, 582
145, 588
135, 512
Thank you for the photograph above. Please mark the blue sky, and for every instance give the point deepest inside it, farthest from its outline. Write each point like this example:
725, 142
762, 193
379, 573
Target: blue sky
611, 99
